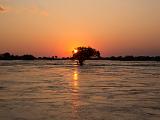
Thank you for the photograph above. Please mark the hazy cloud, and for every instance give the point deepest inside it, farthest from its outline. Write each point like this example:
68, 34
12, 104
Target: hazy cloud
2, 9
33, 9
36, 10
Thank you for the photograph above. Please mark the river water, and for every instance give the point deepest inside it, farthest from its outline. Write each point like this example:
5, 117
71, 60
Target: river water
61, 90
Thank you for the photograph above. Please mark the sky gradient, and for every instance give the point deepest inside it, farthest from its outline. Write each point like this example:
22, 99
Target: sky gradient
55, 27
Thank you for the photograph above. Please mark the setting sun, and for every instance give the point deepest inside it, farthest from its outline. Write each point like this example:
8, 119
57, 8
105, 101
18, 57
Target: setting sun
75, 51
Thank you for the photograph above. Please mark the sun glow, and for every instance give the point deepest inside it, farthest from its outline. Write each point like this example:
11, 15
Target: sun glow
75, 50
75, 76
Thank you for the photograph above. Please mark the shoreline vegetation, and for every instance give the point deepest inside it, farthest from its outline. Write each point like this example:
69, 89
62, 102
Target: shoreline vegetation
8, 56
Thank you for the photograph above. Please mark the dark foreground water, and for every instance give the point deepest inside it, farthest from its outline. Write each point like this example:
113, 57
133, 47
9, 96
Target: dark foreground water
61, 90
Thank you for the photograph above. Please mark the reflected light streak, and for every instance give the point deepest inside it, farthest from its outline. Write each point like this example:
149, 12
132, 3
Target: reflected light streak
75, 93
75, 76
75, 81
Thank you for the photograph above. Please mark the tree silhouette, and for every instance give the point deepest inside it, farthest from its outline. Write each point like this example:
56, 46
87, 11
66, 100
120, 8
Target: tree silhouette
83, 53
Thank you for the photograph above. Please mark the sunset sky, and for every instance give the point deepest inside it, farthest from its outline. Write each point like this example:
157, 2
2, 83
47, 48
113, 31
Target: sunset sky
56, 27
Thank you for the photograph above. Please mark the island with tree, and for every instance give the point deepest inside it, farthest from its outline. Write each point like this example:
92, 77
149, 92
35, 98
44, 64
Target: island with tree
84, 53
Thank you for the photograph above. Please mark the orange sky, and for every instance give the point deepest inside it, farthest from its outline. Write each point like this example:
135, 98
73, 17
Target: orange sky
55, 27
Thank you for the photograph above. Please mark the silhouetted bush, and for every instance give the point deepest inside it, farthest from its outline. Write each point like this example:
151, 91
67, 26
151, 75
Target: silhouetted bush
84, 53
134, 58
28, 57
8, 56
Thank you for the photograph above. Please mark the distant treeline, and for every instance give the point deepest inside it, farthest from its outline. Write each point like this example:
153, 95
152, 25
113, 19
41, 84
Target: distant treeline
134, 58
8, 56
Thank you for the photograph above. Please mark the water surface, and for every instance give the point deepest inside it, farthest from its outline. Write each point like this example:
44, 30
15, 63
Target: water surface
61, 90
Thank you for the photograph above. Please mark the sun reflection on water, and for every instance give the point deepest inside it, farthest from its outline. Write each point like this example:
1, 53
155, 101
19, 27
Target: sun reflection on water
75, 91
75, 75
75, 81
